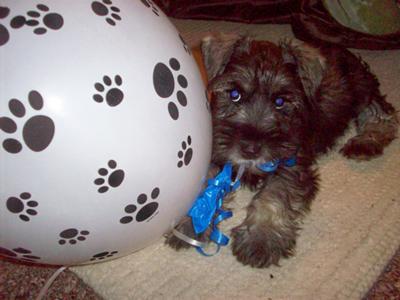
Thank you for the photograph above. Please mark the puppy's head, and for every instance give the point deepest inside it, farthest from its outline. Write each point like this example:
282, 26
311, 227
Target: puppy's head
260, 97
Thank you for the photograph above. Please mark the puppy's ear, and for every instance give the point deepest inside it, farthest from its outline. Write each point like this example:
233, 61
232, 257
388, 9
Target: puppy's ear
217, 49
309, 63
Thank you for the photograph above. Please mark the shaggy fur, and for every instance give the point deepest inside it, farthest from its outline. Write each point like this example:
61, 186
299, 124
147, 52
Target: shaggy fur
323, 89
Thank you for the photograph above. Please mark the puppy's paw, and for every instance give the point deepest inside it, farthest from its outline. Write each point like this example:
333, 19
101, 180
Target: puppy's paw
176, 243
184, 226
362, 148
260, 248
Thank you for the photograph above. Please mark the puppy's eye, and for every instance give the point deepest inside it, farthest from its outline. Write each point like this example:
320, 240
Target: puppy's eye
279, 102
235, 95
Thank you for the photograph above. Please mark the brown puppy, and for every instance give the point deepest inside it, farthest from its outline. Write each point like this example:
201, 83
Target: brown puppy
272, 102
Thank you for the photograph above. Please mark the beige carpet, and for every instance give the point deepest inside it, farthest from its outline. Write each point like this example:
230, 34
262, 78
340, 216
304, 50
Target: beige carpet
351, 233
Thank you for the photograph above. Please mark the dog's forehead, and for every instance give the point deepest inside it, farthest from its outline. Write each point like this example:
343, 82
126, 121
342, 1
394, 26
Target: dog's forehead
254, 64
265, 55
266, 49
264, 60
258, 53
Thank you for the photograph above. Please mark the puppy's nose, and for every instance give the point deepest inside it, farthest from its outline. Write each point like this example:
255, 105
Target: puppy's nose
250, 149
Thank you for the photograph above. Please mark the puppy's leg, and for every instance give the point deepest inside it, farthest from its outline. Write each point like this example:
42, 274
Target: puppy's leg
184, 226
270, 229
377, 126
377, 122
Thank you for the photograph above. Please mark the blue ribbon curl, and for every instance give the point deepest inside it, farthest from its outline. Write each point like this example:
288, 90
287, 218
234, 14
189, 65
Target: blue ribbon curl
207, 208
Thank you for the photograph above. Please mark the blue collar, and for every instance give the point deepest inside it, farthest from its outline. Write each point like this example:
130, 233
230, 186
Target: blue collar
272, 165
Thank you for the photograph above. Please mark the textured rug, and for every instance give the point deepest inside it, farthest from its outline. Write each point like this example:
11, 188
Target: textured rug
347, 240
23, 281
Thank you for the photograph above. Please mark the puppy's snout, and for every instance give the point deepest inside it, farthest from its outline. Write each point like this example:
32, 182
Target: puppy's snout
250, 149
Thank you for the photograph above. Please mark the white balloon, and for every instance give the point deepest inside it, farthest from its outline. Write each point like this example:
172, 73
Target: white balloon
105, 132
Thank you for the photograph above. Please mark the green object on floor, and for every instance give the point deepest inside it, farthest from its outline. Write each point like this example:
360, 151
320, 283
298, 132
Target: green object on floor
377, 17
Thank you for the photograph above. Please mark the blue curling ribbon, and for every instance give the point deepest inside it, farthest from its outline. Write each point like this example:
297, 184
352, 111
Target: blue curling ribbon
207, 209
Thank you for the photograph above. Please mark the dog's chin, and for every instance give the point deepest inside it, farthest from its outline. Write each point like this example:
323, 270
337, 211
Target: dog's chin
250, 164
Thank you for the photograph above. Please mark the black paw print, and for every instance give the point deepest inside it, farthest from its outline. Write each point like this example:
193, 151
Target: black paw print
72, 235
4, 34
19, 253
114, 179
185, 46
164, 85
146, 211
151, 5
38, 21
22, 206
103, 255
185, 155
113, 96
37, 132
106, 9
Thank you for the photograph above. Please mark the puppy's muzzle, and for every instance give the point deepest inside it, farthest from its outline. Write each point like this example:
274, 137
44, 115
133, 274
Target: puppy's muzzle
250, 149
